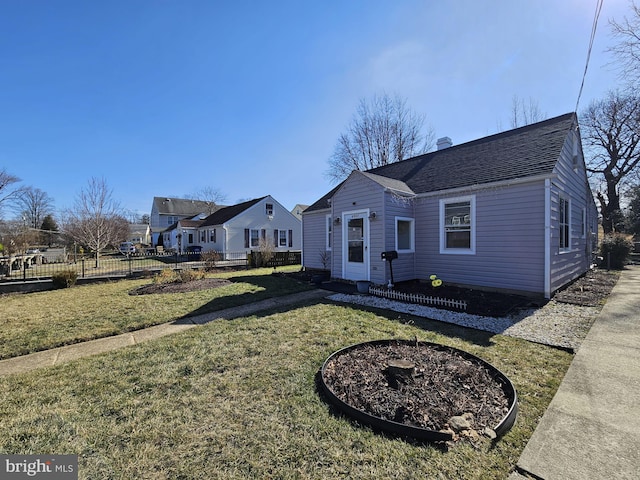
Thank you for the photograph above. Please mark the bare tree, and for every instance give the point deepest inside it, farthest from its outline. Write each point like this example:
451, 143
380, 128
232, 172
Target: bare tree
8, 188
627, 50
32, 204
96, 220
382, 131
611, 131
523, 113
16, 238
211, 195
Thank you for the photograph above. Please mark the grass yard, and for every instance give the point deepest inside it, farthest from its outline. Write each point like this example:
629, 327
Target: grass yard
38, 321
237, 400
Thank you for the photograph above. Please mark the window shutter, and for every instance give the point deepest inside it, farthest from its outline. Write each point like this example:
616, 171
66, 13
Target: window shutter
263, 234
246, 238
275, 238
290, 238
214, 236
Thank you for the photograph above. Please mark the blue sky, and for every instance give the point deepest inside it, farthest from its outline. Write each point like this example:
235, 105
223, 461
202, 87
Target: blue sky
165, 98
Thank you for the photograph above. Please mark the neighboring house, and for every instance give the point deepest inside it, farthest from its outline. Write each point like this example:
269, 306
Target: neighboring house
298, 209
181, 235
165, 212
241, 227
512, 211
139, 233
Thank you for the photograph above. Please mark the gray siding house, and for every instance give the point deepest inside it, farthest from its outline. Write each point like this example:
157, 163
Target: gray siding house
512, 211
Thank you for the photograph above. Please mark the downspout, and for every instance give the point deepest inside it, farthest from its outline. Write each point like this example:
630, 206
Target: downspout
302, 241
333, 241
224, 241
547, 238
384, 233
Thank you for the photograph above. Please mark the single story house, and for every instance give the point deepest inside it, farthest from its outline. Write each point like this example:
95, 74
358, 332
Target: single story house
511, 212
239, 228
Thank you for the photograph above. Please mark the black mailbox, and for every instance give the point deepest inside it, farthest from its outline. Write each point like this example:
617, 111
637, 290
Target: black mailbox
389, 255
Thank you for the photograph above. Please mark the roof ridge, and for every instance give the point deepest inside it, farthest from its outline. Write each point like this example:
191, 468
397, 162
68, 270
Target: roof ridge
478, 141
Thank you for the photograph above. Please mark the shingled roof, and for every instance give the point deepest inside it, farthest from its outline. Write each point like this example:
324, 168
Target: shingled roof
183, 206
527, 151
227, 213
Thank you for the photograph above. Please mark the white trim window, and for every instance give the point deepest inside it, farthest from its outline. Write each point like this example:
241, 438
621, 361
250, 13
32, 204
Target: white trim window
283, 239
255, 238
328, 232
458, 225
405, 235
564, 223
268, 207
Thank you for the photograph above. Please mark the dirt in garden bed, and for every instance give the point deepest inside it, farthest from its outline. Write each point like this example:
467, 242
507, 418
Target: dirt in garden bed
443, 384
590, 290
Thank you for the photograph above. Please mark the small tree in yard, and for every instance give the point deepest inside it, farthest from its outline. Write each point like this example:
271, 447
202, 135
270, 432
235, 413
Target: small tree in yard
615, 250
210, 258
96, 219
266, 251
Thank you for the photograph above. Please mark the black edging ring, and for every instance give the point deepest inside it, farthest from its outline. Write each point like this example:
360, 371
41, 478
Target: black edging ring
412, 431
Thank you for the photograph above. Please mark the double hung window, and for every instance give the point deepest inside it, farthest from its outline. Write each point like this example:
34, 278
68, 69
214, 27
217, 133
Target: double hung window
457, 225
564, 214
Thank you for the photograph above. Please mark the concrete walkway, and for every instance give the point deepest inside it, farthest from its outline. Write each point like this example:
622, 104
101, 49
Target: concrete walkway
591, 428
57, 356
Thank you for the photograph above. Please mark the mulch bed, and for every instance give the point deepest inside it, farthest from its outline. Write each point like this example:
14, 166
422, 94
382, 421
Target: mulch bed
180, 287
444, 384
590, 290
479, 302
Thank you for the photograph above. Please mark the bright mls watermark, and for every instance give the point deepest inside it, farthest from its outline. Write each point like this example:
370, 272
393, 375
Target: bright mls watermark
49, 467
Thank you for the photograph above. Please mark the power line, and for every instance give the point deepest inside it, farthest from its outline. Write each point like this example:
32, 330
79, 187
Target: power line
594, 26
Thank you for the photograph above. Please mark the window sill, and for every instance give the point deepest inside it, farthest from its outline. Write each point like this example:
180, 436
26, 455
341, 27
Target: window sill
457, 252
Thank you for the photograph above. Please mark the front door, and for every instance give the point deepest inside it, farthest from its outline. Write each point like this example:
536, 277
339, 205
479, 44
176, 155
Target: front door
355, 256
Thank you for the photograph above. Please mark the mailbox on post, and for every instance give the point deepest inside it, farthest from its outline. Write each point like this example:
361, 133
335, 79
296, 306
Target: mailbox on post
389, 256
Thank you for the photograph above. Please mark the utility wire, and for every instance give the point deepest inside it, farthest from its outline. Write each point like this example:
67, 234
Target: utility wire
594, 26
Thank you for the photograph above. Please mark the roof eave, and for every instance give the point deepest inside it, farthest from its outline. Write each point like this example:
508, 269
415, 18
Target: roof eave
486, 186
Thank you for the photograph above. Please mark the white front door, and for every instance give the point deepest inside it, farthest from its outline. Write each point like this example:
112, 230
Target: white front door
355, 250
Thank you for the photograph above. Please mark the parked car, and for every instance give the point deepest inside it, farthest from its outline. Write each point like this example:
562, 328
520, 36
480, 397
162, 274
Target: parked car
127, 248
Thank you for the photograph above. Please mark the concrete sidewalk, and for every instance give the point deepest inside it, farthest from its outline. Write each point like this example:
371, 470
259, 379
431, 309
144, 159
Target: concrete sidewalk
57, 356
591, 428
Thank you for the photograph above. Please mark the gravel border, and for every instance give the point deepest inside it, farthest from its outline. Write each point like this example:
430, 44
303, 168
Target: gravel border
555, 324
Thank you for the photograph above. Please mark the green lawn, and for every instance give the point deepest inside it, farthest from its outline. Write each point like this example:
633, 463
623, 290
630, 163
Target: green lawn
38, 321
237, 399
